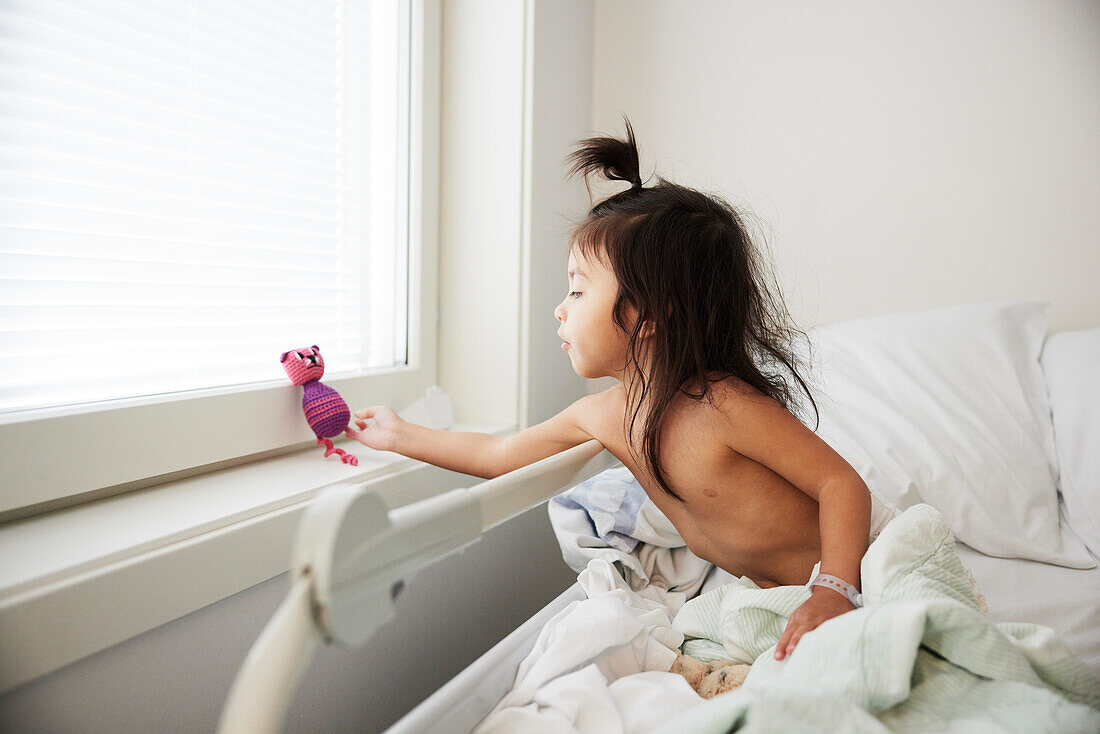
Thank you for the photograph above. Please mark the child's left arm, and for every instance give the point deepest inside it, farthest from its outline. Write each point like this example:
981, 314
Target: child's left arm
766, 432
844, 515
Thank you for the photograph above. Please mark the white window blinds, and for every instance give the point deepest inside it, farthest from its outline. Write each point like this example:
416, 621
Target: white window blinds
189, 188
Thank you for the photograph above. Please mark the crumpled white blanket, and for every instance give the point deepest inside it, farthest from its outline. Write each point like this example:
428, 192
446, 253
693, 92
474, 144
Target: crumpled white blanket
610, 517
600, 666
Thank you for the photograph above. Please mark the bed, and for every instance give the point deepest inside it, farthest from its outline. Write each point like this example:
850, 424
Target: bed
974, 425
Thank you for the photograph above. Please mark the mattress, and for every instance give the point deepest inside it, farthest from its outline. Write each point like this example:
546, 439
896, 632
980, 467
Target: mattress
1065, 599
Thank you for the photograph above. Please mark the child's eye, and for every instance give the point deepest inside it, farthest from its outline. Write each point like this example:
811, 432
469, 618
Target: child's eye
574, 293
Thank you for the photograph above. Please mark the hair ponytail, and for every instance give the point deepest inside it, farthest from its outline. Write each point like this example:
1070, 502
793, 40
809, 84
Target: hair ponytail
615, 159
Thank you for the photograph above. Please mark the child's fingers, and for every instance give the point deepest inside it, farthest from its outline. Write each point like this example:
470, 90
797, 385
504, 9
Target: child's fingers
367, 412
788, 639
786, 646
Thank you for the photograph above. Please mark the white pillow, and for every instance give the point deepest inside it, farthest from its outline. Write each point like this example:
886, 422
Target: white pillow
949, 407
1071, 363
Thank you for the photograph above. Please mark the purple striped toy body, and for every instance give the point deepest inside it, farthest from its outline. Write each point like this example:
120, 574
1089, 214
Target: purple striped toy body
326, 412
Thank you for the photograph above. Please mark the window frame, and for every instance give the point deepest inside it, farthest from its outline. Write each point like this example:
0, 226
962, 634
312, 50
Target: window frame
55, 457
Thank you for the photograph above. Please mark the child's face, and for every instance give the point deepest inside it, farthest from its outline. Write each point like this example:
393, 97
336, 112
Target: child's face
595, 344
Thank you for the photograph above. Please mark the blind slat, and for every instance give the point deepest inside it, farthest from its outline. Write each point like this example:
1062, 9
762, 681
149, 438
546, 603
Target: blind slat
33, 215
246, 273
164, 295
45, 318
60, 243
175, 200
145, 156
96, 171
192, 39
55, 99
256, 339
139, 86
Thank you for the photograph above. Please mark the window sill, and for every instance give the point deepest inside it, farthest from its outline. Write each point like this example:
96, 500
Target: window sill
79, 580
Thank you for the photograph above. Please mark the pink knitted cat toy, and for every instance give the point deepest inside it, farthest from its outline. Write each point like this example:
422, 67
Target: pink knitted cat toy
325, 410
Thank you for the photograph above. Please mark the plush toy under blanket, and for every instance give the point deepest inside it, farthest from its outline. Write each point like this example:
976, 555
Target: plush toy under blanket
710, 679
327, 413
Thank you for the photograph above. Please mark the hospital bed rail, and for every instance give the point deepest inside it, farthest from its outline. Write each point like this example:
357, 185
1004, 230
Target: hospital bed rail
352, 556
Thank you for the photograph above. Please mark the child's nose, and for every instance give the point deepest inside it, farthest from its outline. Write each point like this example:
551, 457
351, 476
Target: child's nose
559, 312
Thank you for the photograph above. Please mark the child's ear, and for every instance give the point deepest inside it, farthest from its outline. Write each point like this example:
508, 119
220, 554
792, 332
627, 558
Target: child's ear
647, 326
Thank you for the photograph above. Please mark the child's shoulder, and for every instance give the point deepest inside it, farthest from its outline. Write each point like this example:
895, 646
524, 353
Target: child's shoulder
726, 391
728, 396
594, 409
705, 417
733, 406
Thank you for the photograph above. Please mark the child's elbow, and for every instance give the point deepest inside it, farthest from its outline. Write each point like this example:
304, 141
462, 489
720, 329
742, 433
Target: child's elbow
496, 463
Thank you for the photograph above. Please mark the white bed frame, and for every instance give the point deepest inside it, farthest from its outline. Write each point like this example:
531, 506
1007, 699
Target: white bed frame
351, 559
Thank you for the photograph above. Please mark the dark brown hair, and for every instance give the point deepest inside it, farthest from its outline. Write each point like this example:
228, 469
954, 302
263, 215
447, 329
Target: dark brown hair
686, 262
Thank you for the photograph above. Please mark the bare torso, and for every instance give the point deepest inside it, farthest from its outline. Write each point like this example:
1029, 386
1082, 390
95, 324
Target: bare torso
738, 514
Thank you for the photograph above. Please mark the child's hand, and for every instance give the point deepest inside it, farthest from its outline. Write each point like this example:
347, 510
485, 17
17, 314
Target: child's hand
823, 604
383, 433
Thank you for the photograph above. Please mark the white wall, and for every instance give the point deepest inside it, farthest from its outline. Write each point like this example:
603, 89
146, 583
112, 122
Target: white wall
901, 155
480, 225
509, 116
559, 110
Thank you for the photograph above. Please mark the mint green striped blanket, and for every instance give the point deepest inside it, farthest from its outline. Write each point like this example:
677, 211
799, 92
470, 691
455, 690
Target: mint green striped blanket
920, 656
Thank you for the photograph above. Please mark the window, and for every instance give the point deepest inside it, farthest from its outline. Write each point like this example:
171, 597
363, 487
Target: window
190, 189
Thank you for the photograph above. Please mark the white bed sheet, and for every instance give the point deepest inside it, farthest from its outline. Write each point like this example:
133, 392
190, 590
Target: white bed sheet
1065, 599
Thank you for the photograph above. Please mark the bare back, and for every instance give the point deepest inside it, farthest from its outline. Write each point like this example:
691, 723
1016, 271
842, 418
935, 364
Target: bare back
736, 513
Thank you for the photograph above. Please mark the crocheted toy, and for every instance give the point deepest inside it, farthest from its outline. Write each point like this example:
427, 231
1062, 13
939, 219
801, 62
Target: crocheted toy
327, 413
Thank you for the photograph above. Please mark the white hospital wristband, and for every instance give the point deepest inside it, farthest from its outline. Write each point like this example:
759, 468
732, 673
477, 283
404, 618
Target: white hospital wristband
832, 582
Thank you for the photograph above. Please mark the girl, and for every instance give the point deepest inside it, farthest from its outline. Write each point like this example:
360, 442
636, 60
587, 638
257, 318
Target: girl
667, 295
